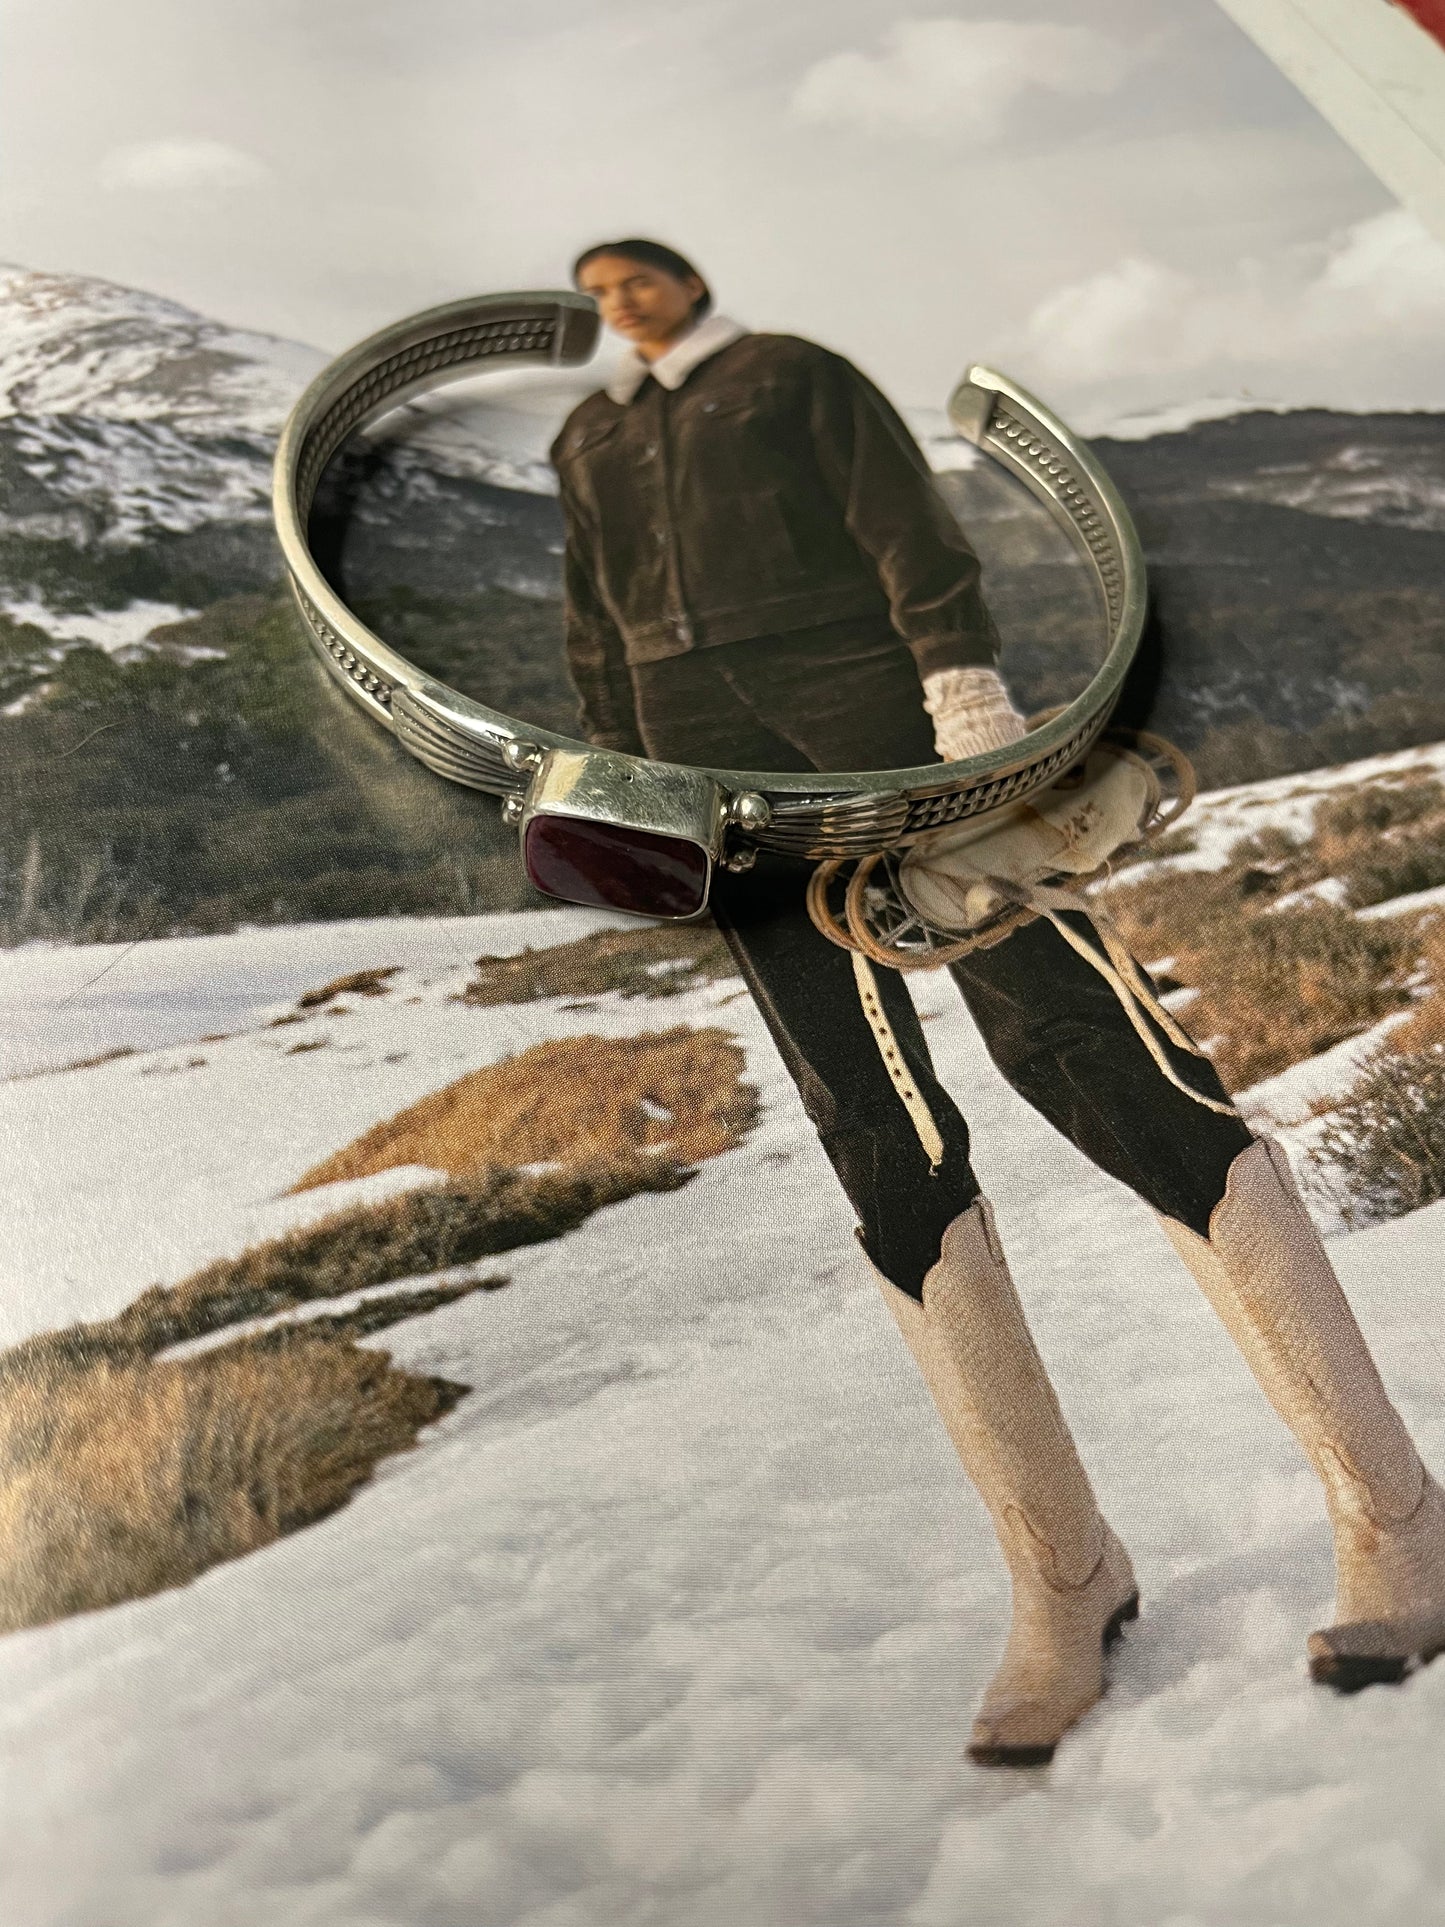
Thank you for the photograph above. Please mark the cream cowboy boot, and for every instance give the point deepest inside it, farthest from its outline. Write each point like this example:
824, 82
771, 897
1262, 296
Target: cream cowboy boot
1073, 1585
1266, 1273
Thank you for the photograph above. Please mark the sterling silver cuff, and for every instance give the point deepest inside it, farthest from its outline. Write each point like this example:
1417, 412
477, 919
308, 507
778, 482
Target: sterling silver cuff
633, 833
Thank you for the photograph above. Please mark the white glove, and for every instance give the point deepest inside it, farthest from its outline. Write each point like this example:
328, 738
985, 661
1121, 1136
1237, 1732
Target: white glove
971, 712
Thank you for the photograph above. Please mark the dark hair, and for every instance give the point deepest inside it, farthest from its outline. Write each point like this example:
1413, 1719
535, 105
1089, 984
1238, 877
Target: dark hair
652, 254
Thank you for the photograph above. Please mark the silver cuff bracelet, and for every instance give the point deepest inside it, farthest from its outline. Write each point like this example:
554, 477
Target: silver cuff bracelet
601, 827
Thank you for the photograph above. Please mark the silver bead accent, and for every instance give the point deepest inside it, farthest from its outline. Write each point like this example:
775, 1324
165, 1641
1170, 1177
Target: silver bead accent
740, 860
519, 754
749, 811
512, 808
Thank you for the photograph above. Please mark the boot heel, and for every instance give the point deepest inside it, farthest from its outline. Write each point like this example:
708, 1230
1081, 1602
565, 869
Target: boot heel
1114, 1631
1371, 1653
1348, 1673
986, 1753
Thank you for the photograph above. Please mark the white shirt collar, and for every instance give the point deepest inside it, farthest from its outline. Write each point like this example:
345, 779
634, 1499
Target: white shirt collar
673, 368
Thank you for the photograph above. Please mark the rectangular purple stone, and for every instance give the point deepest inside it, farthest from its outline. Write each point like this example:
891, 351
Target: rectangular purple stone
615, 868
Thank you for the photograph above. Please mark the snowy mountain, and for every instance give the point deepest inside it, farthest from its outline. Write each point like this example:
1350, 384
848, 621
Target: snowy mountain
89, 480
129, 421
81, 349
75, 346
124, 416
1362, 479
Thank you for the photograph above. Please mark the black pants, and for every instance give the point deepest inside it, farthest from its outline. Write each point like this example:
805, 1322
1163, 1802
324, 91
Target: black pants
848, 697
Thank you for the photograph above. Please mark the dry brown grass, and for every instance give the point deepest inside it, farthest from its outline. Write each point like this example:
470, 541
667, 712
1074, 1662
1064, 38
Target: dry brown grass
77, 1064
360, 983
130, 1475
1276, 986
654, 960
369, 1245
123, 1472
1382, 1151
572, 1101
1425, 1026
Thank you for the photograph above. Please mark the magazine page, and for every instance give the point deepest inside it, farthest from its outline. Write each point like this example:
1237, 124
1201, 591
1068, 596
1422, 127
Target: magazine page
850, 1334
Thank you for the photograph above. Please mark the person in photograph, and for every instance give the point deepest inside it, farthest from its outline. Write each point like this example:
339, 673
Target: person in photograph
760, 573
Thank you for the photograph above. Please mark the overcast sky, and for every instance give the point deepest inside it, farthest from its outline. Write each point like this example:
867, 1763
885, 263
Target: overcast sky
1117, 201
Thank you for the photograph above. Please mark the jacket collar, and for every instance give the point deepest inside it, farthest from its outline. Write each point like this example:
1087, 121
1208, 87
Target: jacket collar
673, 368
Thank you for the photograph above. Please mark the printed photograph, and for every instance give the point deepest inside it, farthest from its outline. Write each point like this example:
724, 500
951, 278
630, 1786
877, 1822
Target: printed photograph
915, 1408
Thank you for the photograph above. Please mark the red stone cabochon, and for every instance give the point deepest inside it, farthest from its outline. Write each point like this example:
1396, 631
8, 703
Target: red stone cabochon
613, 868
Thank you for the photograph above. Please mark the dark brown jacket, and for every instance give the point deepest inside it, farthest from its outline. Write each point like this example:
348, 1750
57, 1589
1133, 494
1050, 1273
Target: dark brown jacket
774, 490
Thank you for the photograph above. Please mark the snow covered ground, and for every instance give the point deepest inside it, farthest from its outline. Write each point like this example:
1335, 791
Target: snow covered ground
678, 1619
1290, 1096
1219, 819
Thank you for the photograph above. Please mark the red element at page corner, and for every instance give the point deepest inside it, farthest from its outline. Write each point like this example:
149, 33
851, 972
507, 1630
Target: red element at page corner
1429, 13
